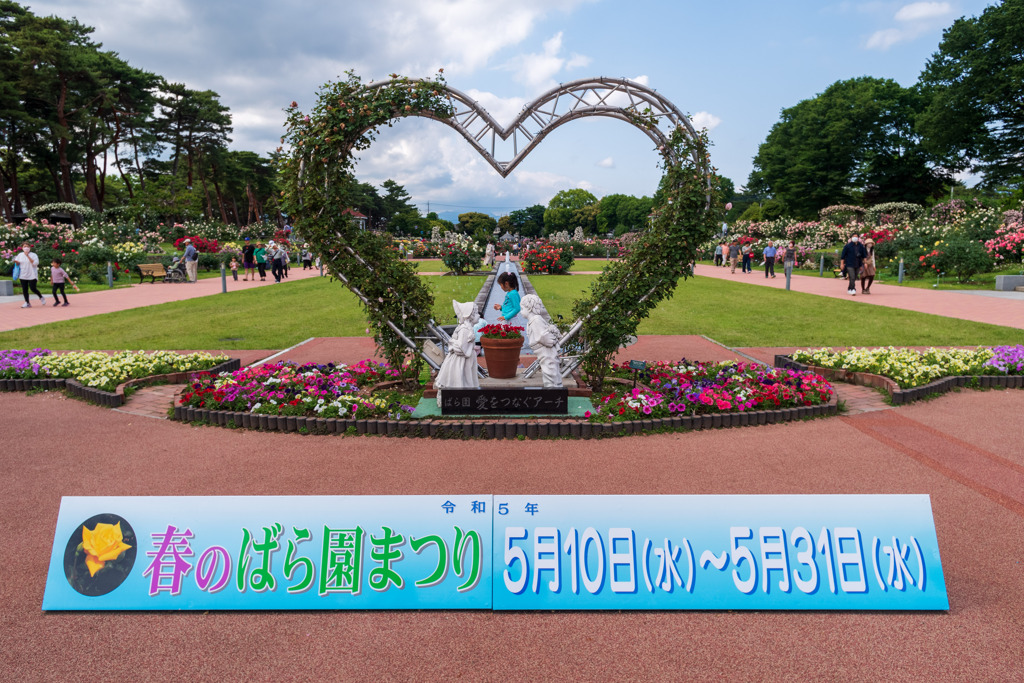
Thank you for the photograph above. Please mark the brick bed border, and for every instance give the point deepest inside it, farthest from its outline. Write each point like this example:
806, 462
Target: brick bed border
501, 429
902, 396
111, 399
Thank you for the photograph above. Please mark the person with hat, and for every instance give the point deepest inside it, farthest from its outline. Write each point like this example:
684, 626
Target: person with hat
867, 269
191, 257
249, 260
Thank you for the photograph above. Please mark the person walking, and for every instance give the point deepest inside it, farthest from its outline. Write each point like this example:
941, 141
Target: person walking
789, 259
718, 254
734, 255
58, 276
28, 267
851, 260
769, 259
745, 251
307, 258
249, 261
867, 269
191, 257
274, 256
260, 254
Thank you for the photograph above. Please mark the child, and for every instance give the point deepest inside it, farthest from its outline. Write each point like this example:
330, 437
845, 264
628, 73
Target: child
509, 284
234, 269
58, 276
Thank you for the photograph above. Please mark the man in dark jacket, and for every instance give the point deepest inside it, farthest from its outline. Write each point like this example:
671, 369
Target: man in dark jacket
851, 260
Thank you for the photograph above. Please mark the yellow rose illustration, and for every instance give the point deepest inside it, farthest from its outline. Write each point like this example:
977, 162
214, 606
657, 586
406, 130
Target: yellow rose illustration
102, 544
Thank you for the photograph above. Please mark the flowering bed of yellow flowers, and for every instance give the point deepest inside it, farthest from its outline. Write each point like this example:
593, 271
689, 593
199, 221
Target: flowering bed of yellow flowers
908, 368
105, 372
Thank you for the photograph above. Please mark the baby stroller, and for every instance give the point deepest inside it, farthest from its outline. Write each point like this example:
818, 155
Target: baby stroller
177, 272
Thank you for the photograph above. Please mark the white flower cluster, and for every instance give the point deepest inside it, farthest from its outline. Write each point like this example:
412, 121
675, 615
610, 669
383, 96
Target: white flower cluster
103, 371
560, 237
907, 367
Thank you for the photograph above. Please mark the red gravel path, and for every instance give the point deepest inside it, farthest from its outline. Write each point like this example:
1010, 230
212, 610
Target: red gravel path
57, 446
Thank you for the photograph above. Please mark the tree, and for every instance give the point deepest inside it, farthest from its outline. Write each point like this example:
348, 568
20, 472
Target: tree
857, 138
569, 208
474, 222
397, 213
975, 85
621, 213
528, 222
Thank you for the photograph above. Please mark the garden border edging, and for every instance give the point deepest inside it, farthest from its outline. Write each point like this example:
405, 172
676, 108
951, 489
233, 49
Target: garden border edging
500, 429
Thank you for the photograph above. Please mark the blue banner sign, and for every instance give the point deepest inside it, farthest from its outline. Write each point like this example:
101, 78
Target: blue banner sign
832, 552
268, 552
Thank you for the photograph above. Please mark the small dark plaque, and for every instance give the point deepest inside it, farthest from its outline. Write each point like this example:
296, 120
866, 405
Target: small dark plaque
505, 401
637, 365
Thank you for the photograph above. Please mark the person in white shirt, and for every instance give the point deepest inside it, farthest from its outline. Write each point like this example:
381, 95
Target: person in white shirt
28, 263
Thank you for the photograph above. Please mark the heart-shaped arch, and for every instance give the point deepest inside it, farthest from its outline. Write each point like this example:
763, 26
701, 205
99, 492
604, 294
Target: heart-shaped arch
616, 98
320, 184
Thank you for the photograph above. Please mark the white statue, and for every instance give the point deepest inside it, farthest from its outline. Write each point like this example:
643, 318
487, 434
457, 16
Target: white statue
543, 338
459, 369
489, 255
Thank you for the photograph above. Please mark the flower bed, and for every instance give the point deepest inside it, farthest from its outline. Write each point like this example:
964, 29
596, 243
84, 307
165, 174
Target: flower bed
549, 259
100, 370
686, 388
324, 391
909, 368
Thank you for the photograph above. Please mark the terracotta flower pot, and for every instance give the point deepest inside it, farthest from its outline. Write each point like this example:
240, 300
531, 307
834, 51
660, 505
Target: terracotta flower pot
502, 356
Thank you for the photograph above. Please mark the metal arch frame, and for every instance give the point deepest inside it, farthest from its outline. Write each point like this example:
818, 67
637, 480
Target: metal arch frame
583, 98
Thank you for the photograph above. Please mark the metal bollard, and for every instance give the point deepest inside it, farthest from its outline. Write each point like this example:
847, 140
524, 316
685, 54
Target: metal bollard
821, 268
110, 275
223, 279
900, 280
789, 274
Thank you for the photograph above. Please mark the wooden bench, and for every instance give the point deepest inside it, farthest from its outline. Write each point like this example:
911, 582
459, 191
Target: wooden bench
152, 271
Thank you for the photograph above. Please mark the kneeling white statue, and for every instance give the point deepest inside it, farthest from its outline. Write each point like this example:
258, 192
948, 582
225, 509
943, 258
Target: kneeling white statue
459, 369
543, 338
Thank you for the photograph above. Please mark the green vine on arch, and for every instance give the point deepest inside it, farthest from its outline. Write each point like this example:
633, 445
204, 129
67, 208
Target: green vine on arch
320, 185
686, 214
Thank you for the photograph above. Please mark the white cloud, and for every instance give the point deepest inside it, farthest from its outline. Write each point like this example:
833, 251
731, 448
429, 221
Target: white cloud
276, 52
607, 162
703, 119
923, 10
537, 71
915, 19
886, 38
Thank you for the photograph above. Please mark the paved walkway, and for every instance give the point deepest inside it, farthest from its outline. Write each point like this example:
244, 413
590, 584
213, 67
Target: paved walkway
13, 317
997, 311
960, 449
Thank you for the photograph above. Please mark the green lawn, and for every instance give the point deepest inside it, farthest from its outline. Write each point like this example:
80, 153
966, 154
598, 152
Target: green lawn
590, 264
733, 313
738, 314
265, 318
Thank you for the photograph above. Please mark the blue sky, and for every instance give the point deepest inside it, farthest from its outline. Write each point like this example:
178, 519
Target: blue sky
733, 65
